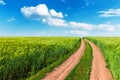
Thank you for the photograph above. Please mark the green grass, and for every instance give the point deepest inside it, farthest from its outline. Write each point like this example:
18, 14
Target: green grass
110, 47
42, 72
82, 69
23, 57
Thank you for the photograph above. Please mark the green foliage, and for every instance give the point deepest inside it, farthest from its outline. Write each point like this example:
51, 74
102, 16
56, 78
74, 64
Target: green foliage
22, 57
110, 47
82, 69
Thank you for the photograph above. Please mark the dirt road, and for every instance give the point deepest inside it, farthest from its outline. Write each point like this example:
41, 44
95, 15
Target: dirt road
64, 69
99, 70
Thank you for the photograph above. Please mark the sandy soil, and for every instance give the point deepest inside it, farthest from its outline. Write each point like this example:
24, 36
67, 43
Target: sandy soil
64, 69
99, 70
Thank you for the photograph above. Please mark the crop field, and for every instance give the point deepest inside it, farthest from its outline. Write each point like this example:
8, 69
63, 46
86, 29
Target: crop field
34, 58
23, 57
110, 47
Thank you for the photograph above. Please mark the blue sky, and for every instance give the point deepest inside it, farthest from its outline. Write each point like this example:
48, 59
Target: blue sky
60, 18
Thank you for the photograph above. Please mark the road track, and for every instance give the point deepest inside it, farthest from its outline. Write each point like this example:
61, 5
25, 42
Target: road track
61, 72
99, 70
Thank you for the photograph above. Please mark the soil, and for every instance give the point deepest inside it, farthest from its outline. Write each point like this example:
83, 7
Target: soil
99, 70
61, 72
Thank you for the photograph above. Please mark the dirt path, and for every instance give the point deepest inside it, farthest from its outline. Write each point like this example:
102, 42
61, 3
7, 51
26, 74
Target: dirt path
64, 69
99, 70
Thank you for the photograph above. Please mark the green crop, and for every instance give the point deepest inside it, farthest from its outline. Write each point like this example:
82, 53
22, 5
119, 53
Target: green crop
22, 57
110, 47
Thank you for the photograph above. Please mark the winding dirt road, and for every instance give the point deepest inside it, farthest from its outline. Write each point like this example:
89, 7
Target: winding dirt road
64, 69
99, 70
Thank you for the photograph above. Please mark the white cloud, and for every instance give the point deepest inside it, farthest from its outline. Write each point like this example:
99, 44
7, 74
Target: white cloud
44, 20
81, 25
53, 13
2, 2
106, 27
11, 19
118, 26
77, 32
57, 22
110, 13
54, 18
40, 10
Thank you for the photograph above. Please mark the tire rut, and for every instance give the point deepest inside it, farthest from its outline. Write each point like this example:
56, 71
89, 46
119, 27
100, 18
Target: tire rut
99, 70
61, 72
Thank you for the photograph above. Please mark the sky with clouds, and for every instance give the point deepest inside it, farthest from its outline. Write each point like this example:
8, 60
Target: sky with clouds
60, 18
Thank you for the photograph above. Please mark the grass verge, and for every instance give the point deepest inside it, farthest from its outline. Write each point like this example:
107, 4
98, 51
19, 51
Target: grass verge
42, 72
110, 47
82, 69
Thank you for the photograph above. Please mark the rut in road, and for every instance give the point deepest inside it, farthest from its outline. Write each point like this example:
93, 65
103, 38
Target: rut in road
64, 69
99, 70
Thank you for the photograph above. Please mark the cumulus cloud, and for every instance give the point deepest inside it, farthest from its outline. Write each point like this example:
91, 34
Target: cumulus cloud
77, 32
54, 18
110, 13
81, 25
51, 17
41, 12
2, 2
53, 13
11, 19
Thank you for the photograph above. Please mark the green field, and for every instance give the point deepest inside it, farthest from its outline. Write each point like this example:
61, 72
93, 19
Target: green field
110, 47
30, 58
82, 69
23, 57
